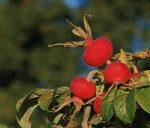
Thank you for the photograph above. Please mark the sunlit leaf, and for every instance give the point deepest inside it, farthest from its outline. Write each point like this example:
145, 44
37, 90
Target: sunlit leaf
19, 103
141, 81
107, 105
124, 106
30, 100
36, 93
24, 120
122, 56
142, 54
45, 100
61, 93
26, 105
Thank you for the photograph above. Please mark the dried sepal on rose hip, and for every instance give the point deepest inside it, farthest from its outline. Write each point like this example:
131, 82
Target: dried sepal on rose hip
97, 104
83, 88
116, 72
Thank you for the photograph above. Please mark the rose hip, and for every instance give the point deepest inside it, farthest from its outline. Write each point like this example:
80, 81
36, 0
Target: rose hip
116, 72
82, 88
98, 103
97, 51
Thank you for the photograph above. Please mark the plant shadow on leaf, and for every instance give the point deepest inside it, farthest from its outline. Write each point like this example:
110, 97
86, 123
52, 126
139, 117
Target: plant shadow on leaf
26, 104
142, 119
67, 111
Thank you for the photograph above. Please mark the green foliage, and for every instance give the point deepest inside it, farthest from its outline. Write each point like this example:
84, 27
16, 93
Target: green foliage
108, 104
27, 29
45, 100
24, 120
62, 93
120, 102
27, 105
124, 106
142, 97
38, 97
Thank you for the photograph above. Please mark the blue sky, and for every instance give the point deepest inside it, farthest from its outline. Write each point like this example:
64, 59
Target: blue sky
75, 3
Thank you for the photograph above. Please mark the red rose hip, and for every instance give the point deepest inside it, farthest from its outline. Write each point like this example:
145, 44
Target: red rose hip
116, 72
82, 88
97, 51
98, 103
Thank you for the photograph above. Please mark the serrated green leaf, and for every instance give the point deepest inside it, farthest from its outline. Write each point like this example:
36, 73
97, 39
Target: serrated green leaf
124, 105
30, 100
36, 93
24, 120
61, 93
26, 105
143, 98
107, 105
45, 100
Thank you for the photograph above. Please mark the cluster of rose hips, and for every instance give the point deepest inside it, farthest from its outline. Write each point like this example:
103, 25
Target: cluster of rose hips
97, 52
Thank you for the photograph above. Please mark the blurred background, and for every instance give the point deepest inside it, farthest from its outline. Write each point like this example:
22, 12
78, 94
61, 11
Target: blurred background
28, 26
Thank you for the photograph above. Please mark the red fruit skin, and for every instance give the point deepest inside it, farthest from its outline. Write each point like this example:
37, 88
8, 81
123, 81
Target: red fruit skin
116, 72
88, 42
135, 74
98, 103
98, 52
82, 88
